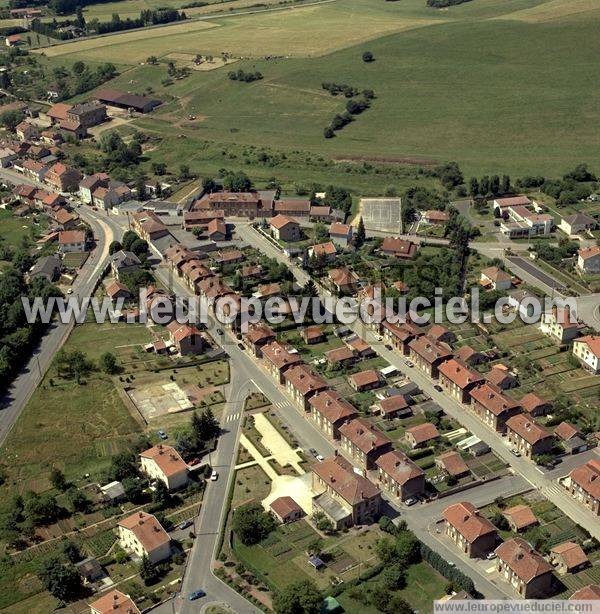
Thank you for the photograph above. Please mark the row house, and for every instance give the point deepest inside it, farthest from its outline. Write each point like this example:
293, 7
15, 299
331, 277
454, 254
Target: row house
278, 359
492, 406
474, 534
90, 183
362, 443
428, 355
258, 335
400, 476
201, 219
213, 288
330, 411
149, 226
583, 484
193, 273
302, 383
63, 178
527, 436
400, 335
177, 255
524, 568
294, 207
345, 497
34, 170
458, 379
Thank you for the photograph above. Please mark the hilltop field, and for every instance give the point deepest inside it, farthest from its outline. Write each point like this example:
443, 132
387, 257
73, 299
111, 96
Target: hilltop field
497, 85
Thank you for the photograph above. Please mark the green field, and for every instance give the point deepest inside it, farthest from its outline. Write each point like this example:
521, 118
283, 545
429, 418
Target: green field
497, 85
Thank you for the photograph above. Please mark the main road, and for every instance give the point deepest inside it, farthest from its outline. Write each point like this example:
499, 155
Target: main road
30, 376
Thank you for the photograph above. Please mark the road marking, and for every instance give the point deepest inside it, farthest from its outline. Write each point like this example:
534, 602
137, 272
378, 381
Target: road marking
232, 417
281, 404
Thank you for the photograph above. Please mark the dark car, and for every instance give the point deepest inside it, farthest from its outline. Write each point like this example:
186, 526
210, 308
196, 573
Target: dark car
438, 388
196, 594
241, 346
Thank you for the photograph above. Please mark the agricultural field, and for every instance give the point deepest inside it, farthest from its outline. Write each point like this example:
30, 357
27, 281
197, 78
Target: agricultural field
497, 86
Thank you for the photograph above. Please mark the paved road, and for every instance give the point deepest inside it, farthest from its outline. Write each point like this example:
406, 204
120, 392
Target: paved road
15, 399
535, 476
542, 278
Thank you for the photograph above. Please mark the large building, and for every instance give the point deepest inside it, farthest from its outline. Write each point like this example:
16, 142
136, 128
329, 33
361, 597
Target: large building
125, 100
474, 534
458, 379
345, 497
400, 476
492, 406
142, 535
303, 383
164, 463
527, 436
525, 569
330, 411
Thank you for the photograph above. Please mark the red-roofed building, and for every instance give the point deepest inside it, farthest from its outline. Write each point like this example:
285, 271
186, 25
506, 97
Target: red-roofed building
285, 509
285, 228
399, 248
324, 251
527, 436
258, 335
492, 406
340, 234
453, 464
63, 178
560, 325
164, 463
342, 356
458, 379
520, 518
303, 383
362, 443
313, 334
330, 411
428, 355
590, 592
474, 534
525, 569
365, 380
72, 241
114, 602
278, 359
400, 335
143, 535
421, 435
588, 259
392, 407
587, 351
187, 339
399, 475
583, 483
568, 557
535, 406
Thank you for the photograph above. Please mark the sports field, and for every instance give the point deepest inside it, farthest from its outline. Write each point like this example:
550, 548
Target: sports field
497, 85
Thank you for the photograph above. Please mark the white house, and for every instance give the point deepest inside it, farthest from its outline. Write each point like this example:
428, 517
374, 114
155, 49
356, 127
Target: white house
142, 535
587, 351
588, 259
576, 223
496, 278
72, 241
162, 462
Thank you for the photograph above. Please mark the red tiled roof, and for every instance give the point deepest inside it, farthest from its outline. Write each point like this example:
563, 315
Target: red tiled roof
521, 515
364, 435
587, 476
279, 221
279, 355
167, 458
429, 350
283, 506
527, 429
399, 467
147, 529
492, 399
332, 406
566, 431
339, 230
364, 378
399, 247
338, 474
114, 602
459, 373
340, 354
465, 518
593, 343
304, 379
453, 463
530, 402
571, 553
587, 593
589, 252
522, 559
393, 404
423, 432
71, 236
324, 249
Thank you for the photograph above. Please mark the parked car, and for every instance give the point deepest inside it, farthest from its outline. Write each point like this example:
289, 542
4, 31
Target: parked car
388, 347
196, 594
515, 452
220, 331
491, 555
411, 501
320, 458
410, 363
185, 524
214, 476
162, 435
241, 346
314, 452
438, 388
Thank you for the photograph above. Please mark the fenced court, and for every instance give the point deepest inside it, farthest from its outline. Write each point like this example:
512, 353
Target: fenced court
381, 213
159, 399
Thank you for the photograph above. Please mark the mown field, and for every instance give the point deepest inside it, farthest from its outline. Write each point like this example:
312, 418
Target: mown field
497, 85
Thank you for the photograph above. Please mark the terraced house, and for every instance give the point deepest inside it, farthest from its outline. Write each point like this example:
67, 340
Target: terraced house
302, 383
474, 534
492, 406
527, 436
362, 443
584, 485
330, 411
399, 475
458, 379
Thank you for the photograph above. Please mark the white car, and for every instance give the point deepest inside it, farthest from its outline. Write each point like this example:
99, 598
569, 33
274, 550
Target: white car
491, 555
214, 476
411, 501
320, 458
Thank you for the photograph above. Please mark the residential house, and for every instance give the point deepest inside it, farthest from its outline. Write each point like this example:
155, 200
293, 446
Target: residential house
492, 406
500, 376
587, 351
520, 518
577, 223
63, 178
470, 356
345, 497
116, 290
344, 280
124, 262
13, 40
400, 476
187, 339
26, 131
201, 219
362, 443
590, 592
453, 464
421, 435
7, 155
88, 184
46, 267
233, 204
588, 260
90, 570
568, 557
524, 568
559, 324
88, 114
400, 335
360, 347
340, 234
495, 278
72, 241
216, 230
567, 431
535, 406
149, 226
258, 335
302, 383
330, 411
428, 355
365, 380
399, 248
323, 251
285, 229
278, 359
340, 357
458, 379
65, 219
527, 436
440, 334
474, 534
164, 463
142, 535
392, 407
114, 602
313, 334
435, 217
228, 256
286, 510
322, 213
583, 483
35, 170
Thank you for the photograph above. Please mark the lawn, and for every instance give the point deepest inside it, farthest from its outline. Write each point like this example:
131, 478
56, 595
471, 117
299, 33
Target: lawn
17, 229
472, 83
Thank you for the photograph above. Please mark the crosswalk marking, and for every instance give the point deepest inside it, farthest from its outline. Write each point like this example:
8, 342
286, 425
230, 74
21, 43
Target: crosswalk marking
232, 417
281, 404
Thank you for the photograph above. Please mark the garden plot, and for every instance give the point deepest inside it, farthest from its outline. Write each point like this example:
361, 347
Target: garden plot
159, 399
